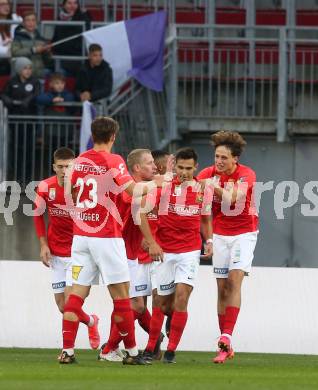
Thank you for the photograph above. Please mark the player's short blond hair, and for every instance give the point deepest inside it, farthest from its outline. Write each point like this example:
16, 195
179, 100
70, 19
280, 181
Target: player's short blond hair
230, 139
135, 157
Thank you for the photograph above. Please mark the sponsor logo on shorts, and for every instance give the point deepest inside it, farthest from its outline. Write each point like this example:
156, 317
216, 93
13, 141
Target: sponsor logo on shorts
220, 271
58, 285
164, 287
141, 287
76, 269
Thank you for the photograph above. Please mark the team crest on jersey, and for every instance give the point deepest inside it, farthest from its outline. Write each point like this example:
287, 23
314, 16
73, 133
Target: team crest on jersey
241, 179
177, 191
52, 193
76, 269
199, 198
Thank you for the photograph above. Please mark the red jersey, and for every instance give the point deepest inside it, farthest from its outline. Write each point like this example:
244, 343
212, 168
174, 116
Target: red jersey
131, 233
60, 227
179, 218
97, 178
152, 216
247, 220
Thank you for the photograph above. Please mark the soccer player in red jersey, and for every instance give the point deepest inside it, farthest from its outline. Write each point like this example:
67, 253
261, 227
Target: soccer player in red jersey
178, 235
56, 242
160, 158
142, 168
235, 229
98, 177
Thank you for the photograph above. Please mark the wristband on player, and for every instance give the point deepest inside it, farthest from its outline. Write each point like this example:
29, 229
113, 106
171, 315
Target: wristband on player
209, 241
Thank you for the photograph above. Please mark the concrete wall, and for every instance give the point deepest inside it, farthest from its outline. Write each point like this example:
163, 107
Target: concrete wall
278, 313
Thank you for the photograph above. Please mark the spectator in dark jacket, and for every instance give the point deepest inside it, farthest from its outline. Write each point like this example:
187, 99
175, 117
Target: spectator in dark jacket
29, 43
21, 90
53, 99
70, 12
95, 78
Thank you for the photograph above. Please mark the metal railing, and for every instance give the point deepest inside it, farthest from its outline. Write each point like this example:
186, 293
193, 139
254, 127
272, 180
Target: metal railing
144, 117
247, 77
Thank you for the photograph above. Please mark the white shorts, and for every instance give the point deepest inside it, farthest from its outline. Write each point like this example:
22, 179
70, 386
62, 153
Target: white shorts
93, 256
176, 268
142, 278
61, 271
233, 252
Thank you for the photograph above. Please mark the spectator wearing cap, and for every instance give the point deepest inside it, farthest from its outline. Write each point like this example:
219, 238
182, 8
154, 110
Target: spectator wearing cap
29, 43
21, 90
95, 78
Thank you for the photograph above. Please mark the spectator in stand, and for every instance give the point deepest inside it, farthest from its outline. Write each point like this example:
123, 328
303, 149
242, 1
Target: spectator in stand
95, 78
6, 36
29, 43
56, 95
70, 12
19, 96
21, 90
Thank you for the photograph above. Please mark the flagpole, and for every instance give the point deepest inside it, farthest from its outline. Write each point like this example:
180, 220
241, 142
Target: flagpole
66, 39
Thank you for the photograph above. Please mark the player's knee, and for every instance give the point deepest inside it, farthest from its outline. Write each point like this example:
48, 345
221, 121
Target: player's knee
181, 301
155, 301
60, 306
230, 287
59, 300
138, 305
222, 294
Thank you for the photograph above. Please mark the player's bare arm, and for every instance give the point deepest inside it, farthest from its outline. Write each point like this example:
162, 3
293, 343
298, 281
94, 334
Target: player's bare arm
45, 253
155, 251
206, 232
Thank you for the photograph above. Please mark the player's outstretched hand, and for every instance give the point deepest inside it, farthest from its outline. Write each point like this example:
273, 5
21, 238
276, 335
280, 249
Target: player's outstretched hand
45, 255
208, 251
155, 252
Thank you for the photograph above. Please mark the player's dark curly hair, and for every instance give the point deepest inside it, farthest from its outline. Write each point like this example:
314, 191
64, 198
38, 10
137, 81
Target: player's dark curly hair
230, 139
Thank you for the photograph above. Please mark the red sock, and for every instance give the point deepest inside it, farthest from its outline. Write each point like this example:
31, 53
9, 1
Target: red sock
76, 301
69, 333
221, 322
143, 319
155, 328
114, 337
178, 323
124, 319
231, 314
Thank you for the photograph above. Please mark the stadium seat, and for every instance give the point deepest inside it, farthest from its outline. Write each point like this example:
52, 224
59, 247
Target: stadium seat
3, 82
230, 15
307, 17
47, 13
271, 17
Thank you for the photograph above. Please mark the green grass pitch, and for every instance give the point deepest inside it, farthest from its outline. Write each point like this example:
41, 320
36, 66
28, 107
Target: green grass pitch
38, 369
